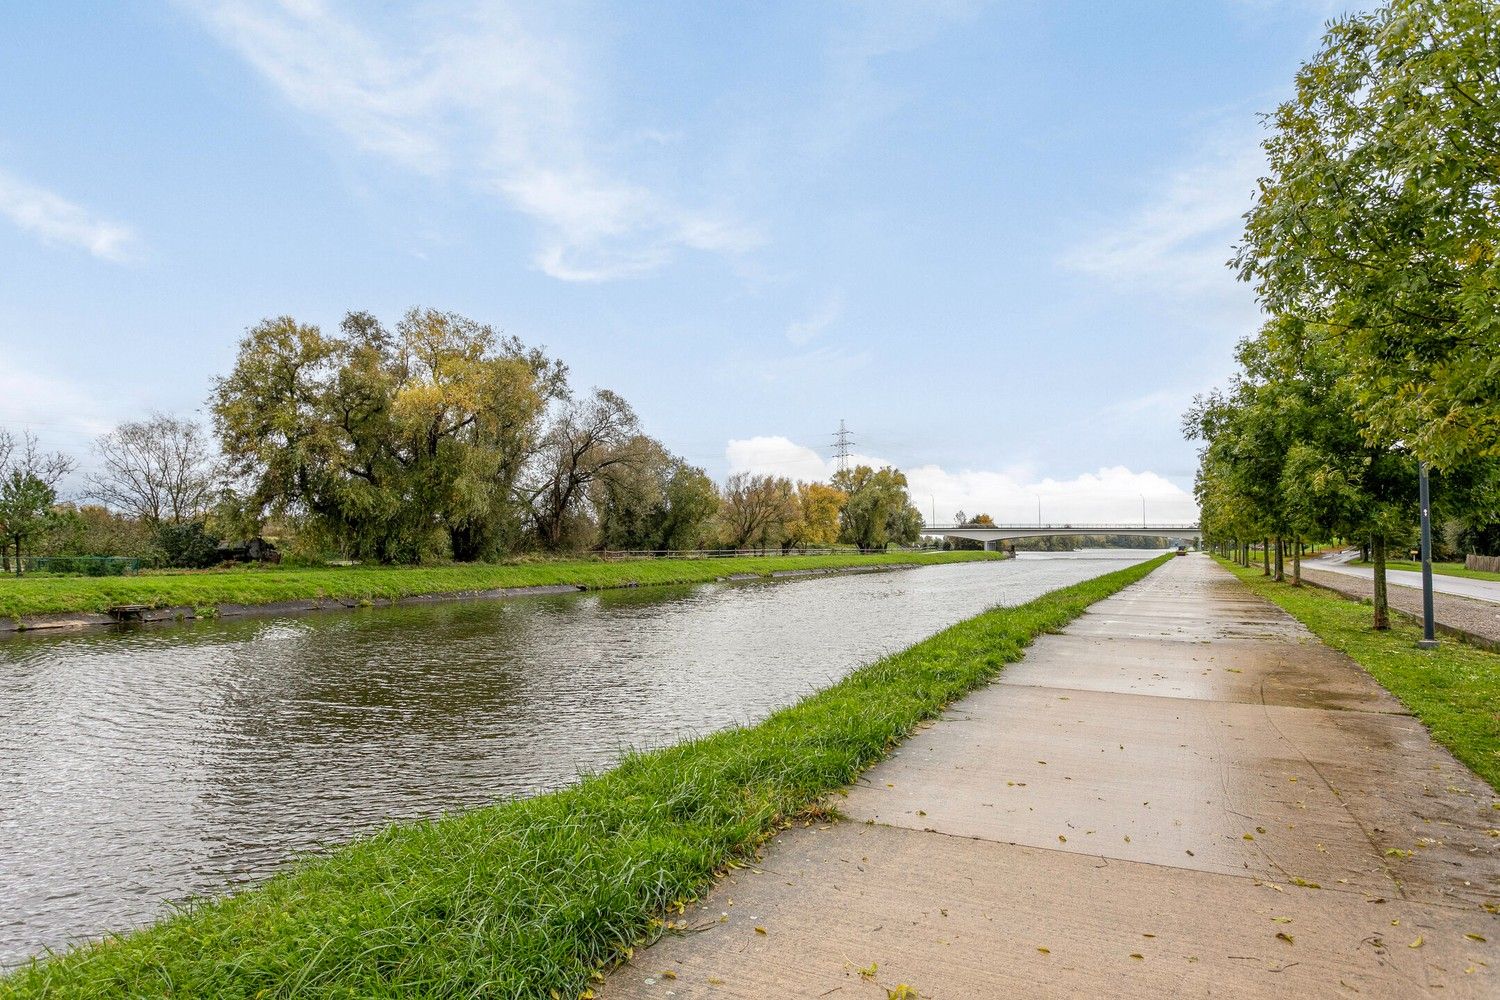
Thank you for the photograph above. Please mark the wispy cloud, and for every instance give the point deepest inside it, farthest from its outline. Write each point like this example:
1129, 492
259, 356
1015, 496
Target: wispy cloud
481, 95
1183, 234
56, 221
803, 331
1109, 495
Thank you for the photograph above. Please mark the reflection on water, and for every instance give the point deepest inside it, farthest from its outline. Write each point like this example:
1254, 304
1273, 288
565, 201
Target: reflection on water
165, 762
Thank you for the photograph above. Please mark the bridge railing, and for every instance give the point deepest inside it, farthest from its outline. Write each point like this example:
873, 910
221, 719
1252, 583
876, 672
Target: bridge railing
1071, 527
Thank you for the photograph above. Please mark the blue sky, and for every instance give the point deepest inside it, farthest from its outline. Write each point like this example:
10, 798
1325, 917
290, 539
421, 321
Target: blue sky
989, 235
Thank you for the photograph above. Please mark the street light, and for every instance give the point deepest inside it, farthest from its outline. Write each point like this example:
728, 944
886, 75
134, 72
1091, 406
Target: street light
1429, 640
1038, 509
1143, 510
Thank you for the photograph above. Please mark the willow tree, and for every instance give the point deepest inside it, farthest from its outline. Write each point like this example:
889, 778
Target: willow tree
398, 443
1378, 221
877, 510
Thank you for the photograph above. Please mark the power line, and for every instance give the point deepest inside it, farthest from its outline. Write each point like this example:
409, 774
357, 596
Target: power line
843, 440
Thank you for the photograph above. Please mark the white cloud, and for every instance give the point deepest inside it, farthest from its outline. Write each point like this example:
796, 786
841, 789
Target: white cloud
56, 221
775, 455
481, 95
810, 327
1106, 496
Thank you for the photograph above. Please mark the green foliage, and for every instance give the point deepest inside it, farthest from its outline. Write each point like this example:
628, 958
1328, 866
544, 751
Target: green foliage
92, 530
400, 443
529, 899
1377, 224
25, 510
654, 501
186, 546
1453, 690
878, 511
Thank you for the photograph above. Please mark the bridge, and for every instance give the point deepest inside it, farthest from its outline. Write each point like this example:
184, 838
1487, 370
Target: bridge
991, 533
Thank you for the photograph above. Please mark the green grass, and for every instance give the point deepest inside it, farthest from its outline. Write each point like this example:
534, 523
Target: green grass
42, 595
1454, 690
1442, 568
532, 898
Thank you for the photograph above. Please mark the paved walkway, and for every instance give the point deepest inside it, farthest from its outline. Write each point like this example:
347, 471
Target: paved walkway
1459, 586
1183, 794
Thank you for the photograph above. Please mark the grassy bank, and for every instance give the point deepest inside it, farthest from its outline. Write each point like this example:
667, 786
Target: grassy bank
1442, 568
43, 595
532, 898
1454, 690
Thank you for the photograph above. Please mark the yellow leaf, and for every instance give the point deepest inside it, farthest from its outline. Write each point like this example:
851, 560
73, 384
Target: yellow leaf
760, 930
668, 974
1417, 943
868, 971
1477, 937
1283, 936
1138, 956
1045, 951
902, 992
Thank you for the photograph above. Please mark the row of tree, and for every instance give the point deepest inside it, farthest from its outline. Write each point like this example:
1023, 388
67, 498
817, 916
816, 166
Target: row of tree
438, 438
1374, 248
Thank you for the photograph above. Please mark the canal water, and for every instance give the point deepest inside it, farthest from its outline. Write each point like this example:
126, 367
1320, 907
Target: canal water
150, 765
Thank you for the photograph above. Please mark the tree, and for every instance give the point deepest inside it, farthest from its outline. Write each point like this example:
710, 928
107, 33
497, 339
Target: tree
817, 507
28, 481
878, 511
159, 470
756, 510
1378, 221
656, 502
1287, 453
590, 439
396, 443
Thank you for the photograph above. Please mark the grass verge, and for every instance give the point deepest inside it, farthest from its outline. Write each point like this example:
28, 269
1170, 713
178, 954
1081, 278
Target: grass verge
1454, 690
532, 898
1439, 568
44, 595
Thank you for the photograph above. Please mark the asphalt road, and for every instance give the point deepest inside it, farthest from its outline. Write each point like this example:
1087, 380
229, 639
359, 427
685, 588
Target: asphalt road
1480, 590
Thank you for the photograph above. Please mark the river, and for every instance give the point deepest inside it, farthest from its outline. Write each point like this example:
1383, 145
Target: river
159, 763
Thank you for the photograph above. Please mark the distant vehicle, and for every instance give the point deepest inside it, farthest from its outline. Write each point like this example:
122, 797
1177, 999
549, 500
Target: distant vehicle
1182, 550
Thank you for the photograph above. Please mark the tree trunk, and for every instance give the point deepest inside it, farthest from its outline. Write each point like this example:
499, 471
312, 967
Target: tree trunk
1280, 576
1297, 561
1382, 608
1265, 556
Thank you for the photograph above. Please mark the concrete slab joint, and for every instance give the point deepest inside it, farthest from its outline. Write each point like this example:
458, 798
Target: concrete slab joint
1183, 794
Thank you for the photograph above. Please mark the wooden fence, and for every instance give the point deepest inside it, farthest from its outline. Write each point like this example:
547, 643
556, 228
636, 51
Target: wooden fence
1490, 564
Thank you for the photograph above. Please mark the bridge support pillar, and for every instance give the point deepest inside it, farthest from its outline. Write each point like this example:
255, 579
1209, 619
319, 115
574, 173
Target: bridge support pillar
989, 545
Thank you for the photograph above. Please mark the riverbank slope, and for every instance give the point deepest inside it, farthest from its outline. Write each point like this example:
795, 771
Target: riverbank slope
29, 597
534, 898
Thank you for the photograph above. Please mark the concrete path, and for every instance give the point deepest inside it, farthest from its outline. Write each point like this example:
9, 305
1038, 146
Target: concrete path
1183, 794
1461, 586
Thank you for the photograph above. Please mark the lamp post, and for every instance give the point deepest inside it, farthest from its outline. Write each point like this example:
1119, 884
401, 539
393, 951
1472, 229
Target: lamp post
1143, 510
1429, 640
1038, 510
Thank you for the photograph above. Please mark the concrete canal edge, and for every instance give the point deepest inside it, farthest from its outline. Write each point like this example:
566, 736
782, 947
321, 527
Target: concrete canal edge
142, 614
